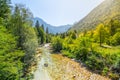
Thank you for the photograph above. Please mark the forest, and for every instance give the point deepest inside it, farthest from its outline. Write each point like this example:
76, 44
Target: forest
98, 49
18, 41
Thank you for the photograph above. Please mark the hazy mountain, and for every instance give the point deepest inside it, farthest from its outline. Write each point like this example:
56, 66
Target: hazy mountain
51, 28
107, 10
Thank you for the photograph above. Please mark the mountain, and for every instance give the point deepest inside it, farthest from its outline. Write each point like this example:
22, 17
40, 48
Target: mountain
104, 12
51, 28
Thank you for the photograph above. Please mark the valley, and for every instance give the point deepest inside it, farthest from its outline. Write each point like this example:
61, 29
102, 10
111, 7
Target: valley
33, 49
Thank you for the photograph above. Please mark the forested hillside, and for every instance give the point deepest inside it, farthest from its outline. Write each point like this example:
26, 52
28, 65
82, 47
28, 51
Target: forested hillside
98, 49
95, 40
106, 11
18, 41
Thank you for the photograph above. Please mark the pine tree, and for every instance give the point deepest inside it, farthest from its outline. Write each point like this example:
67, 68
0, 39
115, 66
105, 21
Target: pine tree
47, 30
40, 33
4, 8
47, 35
37, 25
42, 27
25, 35
101, 33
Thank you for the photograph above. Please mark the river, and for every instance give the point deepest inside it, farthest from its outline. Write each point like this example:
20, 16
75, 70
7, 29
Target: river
57, 67
41, 73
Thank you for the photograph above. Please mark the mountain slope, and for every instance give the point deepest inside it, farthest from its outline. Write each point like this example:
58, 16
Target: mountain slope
51, 28
107, 10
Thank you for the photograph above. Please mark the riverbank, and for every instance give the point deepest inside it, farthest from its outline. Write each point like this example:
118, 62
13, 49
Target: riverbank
67, 69
58, 67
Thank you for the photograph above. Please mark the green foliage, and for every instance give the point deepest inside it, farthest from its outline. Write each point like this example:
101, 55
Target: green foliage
103, 59
73, 35
117, 65
18, 42
29, 44
10, 58
94, 62
106, 59
48, 36
6, 44
40, 33
68, 44
18, 21
68, 54
57, 44
82, 54
116, 39
114, 25
1, 21
105, 71
83, 48
4, 8
101, 34
84, 42
20, 26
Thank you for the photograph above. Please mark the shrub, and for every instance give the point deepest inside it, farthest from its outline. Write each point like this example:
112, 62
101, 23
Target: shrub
57, 44
82, 54
105, 71
116, 39
68, 54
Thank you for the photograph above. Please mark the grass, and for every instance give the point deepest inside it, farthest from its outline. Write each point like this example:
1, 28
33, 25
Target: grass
112, 50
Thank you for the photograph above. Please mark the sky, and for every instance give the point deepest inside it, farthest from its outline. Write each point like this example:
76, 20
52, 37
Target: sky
59, 12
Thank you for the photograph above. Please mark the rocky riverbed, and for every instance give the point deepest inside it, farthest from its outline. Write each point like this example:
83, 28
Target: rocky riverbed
58, 67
